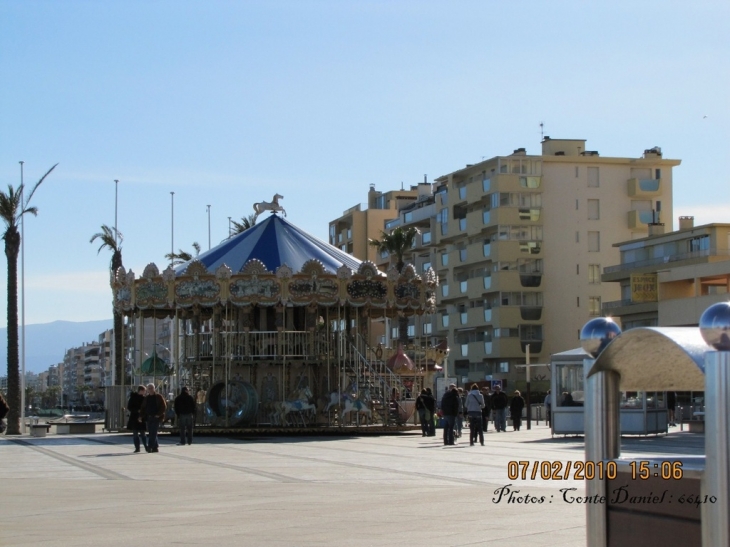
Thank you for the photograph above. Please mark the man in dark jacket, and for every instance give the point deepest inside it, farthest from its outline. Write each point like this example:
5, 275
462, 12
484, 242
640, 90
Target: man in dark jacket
430, 404
450, 407
152, 411
135, 423
487, 408
499, 408
185, 411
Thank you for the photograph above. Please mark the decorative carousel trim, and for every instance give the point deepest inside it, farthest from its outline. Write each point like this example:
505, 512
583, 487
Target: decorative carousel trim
344, 273
313, 267
369, 270
223, 272
196, 268
151, 271
284, 271
254, 267
393, 274
169, 274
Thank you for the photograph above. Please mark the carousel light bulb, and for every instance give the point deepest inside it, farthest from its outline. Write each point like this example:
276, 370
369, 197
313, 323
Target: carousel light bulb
597, 333
715, 326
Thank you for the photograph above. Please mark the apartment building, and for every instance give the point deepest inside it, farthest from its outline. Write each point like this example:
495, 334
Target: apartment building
670, 279
360, 223
519, 243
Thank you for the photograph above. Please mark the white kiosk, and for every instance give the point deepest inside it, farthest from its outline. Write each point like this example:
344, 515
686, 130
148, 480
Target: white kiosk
642, 413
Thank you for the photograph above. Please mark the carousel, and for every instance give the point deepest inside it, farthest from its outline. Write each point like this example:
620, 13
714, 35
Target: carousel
276, 328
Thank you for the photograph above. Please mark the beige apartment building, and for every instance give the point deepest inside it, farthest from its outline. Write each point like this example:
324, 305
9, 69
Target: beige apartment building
519, 243
670, 279
360, 223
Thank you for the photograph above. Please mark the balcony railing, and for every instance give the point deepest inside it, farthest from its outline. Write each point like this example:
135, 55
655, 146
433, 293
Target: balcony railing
665, 259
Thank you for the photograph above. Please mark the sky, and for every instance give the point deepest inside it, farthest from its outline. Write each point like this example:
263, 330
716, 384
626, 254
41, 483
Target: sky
225, 103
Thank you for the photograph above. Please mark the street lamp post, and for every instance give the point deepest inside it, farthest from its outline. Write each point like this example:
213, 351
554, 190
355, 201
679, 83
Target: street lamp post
22, 303
208, 227
172, 226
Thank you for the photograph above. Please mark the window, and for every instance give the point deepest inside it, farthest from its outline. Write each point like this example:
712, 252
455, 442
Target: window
593, 180
444, 259
444, 290
594, 306
426, 238
411, 331
593, 209
504, 366
594, 242
426, 328
594, 273
444, 320
426, 266
530, 182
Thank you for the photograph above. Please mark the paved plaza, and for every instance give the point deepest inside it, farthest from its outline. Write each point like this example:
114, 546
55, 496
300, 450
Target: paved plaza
399, 489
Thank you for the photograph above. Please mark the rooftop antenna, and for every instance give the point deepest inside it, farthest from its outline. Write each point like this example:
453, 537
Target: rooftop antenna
401, 185
542, 132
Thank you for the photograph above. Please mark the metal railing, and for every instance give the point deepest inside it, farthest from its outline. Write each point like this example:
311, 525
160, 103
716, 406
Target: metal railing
665, 259
250, 345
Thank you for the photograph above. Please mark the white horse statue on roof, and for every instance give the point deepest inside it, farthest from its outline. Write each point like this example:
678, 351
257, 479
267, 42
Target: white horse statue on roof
272, 206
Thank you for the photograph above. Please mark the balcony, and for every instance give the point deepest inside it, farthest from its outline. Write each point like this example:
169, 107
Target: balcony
640, 220
505, 347
644, 187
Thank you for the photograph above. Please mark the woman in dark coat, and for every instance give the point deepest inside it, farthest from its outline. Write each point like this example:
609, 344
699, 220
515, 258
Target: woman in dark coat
515, 410
135, 423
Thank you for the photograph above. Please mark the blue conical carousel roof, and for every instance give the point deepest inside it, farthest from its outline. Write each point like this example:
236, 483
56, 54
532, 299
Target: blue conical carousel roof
274, 242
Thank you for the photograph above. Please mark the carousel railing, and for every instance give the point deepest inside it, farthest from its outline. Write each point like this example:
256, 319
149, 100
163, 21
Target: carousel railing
251, 345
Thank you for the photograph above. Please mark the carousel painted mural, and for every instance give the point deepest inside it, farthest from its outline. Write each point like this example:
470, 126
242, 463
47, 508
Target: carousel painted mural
274, 327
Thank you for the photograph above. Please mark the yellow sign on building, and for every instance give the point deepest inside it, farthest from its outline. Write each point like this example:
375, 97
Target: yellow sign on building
643, 287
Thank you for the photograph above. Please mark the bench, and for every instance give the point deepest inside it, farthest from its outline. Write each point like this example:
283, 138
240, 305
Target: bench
75, 428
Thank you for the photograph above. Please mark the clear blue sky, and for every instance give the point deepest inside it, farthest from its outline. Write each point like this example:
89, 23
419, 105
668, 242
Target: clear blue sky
227, 102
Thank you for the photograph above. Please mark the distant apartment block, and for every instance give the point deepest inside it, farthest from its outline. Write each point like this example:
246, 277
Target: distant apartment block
670, 279
359, 223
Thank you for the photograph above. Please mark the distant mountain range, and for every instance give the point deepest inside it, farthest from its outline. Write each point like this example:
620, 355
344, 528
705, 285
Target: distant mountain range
46, 343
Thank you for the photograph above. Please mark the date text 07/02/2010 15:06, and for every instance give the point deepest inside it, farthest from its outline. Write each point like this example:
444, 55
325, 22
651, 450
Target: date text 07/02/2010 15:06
588, 470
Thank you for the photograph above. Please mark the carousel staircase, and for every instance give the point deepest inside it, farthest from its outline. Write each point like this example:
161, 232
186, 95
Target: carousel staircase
377, 378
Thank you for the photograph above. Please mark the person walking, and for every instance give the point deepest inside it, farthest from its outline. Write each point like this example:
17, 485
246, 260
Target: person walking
486, 411
135, 423
4, 409
430, 404
421, 409
671, 406
515, 409
450, 409
461, 414
548, 407
152, 413
185, 411
499, 408
474, 406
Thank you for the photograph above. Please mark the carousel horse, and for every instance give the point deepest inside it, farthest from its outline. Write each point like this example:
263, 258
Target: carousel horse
359, 405
272, 206
301, 403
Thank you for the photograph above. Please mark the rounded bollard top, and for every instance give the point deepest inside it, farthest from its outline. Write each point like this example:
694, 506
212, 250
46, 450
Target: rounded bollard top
597, 333
715, 326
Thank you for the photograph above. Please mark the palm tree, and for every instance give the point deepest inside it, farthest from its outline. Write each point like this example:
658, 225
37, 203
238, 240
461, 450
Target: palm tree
396, 244
112, 239
245, 224
12, 208
182, 256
